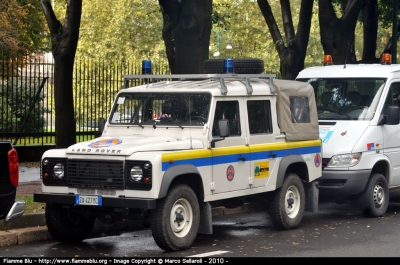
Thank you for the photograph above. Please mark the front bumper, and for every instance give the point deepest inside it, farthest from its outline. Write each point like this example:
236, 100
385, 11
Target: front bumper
343, 182
69, 199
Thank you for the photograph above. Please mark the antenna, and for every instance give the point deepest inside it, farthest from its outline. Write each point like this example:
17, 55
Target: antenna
347, 52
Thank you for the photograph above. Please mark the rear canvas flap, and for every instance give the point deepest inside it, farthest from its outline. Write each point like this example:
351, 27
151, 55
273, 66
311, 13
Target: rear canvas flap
297, 110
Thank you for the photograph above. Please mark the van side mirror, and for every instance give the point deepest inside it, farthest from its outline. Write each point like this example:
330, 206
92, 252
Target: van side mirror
392, 117
393, 113
101, 123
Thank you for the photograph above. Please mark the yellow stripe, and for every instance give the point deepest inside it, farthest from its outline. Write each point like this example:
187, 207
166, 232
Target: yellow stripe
284, 145
186, 155
237, 149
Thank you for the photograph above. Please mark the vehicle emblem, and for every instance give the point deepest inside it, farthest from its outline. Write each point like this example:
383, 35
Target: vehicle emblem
109, 180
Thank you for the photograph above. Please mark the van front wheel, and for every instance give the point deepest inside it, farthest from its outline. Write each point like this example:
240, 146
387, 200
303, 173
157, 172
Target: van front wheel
374, 200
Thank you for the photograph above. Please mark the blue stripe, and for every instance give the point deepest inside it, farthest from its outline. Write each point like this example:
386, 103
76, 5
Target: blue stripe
208, 161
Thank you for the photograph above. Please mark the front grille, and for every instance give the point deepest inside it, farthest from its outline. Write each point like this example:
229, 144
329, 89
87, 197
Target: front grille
97, 174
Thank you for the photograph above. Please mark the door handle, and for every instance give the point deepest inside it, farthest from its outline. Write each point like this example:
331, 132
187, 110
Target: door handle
272, 155
242, 158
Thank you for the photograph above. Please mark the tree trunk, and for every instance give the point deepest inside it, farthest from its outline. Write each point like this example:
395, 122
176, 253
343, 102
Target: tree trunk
64, 40
337, 35
370, 29
292, 55
186, 34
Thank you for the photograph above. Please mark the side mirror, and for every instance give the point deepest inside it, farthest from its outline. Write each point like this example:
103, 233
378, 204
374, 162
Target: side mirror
101, 124
223, 128
393, 115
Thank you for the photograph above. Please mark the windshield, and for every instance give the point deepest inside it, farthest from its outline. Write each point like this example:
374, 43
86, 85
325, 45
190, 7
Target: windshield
346, 98
164, 109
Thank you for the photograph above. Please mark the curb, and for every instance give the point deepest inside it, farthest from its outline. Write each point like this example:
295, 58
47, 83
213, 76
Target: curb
32, 227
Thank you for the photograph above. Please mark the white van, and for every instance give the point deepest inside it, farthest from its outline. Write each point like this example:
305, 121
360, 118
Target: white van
358, 118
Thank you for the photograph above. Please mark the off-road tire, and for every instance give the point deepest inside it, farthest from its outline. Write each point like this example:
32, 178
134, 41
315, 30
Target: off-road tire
374, 200
66, 226
240, 65
175, 221
287, 204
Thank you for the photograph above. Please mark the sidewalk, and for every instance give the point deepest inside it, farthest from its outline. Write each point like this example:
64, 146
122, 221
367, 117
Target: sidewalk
32, 227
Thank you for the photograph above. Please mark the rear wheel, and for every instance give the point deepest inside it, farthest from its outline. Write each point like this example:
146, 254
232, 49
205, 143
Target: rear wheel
175, 221
287, 206
67, 226
374, 201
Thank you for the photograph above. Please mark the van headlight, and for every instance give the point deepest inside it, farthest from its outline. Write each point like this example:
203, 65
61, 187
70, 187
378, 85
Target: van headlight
345, 160
136, 174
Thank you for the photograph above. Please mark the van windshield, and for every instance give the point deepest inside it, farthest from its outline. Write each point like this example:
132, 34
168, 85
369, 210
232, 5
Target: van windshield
346, 98
164, 109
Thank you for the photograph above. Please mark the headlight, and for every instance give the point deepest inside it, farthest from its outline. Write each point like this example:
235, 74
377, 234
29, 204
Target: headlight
58, 170
136, 174
346, 160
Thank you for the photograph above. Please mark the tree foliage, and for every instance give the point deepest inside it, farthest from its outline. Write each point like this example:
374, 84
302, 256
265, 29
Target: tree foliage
21, 27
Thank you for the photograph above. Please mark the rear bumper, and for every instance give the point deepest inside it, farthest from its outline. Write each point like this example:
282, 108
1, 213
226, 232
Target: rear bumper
346, 182
16, 211
69, 199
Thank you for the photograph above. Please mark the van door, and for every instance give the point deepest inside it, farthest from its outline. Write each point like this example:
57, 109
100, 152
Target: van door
260, 134
391, 133
231, 155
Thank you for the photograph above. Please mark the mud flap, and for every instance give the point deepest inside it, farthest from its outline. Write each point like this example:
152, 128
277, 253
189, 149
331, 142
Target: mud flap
205, 226
312, 197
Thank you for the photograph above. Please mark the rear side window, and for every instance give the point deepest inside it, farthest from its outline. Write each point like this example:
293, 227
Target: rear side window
259, 115
300, 109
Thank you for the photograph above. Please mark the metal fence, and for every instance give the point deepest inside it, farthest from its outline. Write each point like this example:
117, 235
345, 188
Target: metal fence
27, 96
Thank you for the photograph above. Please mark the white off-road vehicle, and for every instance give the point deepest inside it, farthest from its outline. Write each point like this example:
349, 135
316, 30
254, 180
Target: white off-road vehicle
170, 151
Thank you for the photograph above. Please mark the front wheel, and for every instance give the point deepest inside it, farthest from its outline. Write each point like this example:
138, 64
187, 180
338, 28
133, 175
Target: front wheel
374, 201
175, 221
67, 226
287, 205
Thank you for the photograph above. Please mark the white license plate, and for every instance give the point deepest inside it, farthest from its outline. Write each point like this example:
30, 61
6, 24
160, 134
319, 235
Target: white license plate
88, 200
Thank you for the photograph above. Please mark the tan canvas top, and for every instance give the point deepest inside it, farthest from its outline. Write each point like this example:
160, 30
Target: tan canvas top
300, 97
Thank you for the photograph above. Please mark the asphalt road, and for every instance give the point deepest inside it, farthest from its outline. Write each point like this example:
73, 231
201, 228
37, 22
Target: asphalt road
335, 231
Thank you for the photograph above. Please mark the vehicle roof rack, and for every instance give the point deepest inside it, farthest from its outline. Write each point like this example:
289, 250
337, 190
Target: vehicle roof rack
221, 77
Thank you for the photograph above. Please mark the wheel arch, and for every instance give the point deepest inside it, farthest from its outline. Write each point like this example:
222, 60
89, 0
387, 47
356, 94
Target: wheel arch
187, 174
294, 164
383, 167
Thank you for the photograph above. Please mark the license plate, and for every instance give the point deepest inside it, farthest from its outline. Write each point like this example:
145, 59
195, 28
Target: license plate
88, 200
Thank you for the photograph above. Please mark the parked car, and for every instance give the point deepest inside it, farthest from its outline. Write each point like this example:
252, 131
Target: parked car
10, 208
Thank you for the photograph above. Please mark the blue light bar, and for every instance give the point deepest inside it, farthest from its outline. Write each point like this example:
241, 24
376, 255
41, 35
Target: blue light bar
228, 66
146, 67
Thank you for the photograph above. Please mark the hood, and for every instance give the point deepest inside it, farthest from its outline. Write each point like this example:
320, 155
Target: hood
341, 137
125, 146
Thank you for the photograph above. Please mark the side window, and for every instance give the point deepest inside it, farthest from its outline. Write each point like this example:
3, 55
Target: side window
259, 115
299, 109
393, 97
227, 110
